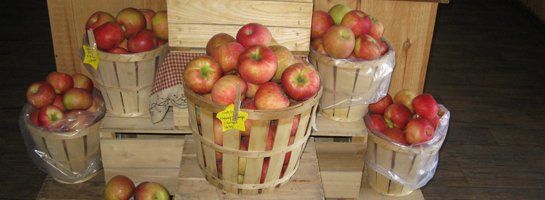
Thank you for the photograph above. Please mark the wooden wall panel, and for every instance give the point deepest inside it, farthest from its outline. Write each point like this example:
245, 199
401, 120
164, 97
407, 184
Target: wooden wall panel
536, 6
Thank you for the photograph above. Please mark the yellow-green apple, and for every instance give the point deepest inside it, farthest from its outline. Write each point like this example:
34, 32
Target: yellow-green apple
257, 64
301, 81
224, 91
318, 45
397, 115
131, 20
98, 18
201, 74
295, 125
123, 44
380, 106
218, 133
50, 117
216, 41
252, 89
254, 34
375, 123
397, 135
40, 94
419, 130
425, 106
241, 165
264, 169
97, 105
58, 102
321, 21
338, 11
78, 119
250, 105
60, 82
142, 41
377, 29
108, 35
383, 47
159, 24
285, 59
227, 55
358, 22
339, 41
82, 81
151, 191
119, 50
77, 99
119, 188
405, 97
34, 117
367, 48
270, 96
148, 14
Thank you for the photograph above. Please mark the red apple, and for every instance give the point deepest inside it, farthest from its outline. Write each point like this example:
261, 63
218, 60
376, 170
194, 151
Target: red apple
159, 25
425, 106
77, 99
40, 94
419, 130
244, 143
380, 106
218, 133
295, 125
224, 91
257, 64
58, 102
218, 40
397, 135
227, 55
435, 121
285, 59
264, 169
201, 74
339, 41
338, 12
60, 82
254, 34
34, 117
377, 30
321, 21
50, 117
383, 47
301, 81
119, 188
148, 15
318, 45
151, 191
405, 97
79, 119
83, 82
97, 105
375, 123
367, 48
252, 89
98, 18
269, 96
108, 35
358, 22
119, 50
131, 20
142, 41
270, 137
397, 115
160, 42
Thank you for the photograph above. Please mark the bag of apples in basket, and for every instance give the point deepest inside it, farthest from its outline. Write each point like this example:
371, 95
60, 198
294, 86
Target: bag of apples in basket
60, 126
405, 136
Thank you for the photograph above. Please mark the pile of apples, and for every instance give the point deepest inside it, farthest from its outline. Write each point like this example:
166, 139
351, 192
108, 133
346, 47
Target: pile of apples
63, 102
268, 77
131, 31
122, 188
346, 33
407, 119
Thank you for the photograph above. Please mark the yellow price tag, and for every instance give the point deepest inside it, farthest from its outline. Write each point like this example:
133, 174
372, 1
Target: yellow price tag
90, 56
226, 118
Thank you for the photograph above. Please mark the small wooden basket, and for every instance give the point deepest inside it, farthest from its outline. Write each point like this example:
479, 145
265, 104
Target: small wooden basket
349, 85
228, 177
125, 80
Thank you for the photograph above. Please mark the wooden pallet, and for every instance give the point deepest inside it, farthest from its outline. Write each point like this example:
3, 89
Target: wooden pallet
305, 183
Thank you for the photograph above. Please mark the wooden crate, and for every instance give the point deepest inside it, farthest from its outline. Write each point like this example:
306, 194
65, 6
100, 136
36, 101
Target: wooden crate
141, 150
305, 184
331, 130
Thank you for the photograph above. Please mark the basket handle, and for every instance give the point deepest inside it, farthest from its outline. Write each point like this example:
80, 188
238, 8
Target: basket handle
237, 104
91, 39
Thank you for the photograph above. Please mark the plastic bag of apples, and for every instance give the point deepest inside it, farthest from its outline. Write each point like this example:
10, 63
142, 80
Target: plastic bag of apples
60, 126
405, 135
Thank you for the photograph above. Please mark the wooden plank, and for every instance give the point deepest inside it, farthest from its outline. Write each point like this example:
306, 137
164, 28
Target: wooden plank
536, 6
141, 153
252, 174
332, 128
180, 117
141, 124
128, 78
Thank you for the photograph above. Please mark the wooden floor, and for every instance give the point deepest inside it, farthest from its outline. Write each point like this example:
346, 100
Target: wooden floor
487, 66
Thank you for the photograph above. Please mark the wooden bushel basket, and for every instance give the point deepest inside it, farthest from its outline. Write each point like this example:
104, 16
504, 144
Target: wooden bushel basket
125, 80
350, 85
405, 161
70, 157
203, 110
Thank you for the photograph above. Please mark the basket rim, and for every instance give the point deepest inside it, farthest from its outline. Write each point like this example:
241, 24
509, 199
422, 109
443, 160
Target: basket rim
388, 55
133, 57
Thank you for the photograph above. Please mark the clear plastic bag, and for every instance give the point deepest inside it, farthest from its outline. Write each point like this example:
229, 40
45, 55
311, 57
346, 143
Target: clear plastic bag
68, 151
412, 166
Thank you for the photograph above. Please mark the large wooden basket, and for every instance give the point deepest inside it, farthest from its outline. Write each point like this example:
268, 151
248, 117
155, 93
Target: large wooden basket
202, 112
350, 85
125, 80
